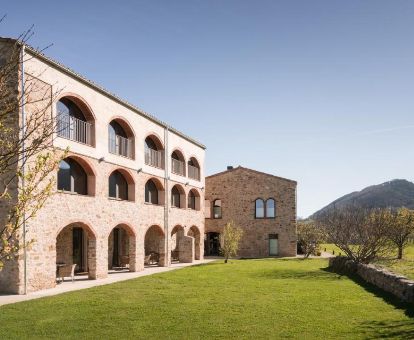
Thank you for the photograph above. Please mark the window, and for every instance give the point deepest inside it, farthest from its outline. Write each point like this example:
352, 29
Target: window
118, 186
260, 209
175, 197
119, 143
177, 163
71, 122
193, 169
191, 200
270, 208
154, 155
72, 177
151, 192
217, 209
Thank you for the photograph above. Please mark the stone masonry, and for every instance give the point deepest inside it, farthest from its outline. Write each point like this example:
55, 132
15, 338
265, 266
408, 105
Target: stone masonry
238, 189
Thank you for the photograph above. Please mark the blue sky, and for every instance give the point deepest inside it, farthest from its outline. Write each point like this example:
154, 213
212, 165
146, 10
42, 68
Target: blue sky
317, 91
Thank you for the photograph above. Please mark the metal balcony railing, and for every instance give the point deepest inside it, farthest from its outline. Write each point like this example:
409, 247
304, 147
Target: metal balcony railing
154, 158
74, 129
193, 172
177, 167
119, 145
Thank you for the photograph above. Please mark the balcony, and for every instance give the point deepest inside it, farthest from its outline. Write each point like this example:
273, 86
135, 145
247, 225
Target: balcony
74, 129
121, 146
193, 172
177, 167
154, 158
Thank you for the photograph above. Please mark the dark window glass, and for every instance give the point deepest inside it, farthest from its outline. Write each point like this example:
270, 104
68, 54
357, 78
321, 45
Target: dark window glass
72, 177
270, 208
175, 197
150, 144
174, 155
260, 208
66, 107
217, 209
192, 200
118, 186
151, 192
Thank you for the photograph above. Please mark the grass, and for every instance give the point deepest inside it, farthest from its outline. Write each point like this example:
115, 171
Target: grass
404, 266
262, 299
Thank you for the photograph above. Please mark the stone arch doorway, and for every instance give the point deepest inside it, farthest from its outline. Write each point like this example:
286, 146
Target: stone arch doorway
154, 246
122, 248
76, 246
195, 233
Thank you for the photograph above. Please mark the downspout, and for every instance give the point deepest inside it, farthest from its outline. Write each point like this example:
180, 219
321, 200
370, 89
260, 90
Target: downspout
23, 165
166, 207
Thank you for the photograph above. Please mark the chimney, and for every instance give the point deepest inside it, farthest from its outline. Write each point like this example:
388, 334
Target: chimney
229, 167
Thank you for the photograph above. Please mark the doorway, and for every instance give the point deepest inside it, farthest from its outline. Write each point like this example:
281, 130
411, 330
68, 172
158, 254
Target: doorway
212, 244
78, 249
273, 245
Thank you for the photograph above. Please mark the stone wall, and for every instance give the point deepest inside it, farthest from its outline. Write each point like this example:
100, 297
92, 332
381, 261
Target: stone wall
397, 285
238, 189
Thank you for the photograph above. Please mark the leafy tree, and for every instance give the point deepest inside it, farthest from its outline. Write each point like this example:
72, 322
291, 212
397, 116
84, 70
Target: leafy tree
27, 156
400, 228
309, 237
231, 240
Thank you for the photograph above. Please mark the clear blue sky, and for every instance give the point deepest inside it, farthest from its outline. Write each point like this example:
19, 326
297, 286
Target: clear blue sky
317, 91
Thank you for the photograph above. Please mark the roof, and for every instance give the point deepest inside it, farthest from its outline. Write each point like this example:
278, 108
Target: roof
252, 171
100, 89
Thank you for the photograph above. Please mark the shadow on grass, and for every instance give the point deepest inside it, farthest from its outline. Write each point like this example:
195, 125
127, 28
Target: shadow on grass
387, 297
388, 329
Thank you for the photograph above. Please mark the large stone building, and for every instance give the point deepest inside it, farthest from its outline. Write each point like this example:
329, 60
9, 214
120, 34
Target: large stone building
263, 205
130, 187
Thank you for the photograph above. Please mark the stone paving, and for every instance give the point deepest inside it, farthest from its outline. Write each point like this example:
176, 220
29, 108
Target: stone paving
82, 282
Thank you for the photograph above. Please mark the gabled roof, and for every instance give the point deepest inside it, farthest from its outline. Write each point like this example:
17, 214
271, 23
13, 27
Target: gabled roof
100, 89
252, 171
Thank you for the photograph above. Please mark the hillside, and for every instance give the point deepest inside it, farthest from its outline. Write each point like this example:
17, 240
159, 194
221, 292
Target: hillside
396, 193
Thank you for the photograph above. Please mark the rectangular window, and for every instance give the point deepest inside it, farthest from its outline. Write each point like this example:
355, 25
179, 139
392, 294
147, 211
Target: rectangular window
273, 245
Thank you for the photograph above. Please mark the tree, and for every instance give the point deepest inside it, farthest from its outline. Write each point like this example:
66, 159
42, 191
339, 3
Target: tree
309, 237
27, 156
360, 233
400, 228
230, 241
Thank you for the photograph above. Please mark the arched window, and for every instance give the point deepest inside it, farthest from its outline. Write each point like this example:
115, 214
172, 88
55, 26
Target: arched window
191, 200
193, 169
120, 142
151, 192
72, 177
177, 163
71, 122
260, 208
175, 197
154, 154
270, 208
217, 213
118, 186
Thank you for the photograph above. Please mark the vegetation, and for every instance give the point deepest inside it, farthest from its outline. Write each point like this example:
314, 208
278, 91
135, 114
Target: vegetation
400, 228
232, 235
261, 299
309, 237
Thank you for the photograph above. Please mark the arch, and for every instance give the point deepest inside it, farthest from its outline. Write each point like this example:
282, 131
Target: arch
193, 200
76, 245
154, 191
178, 164
154, 151
193, 168
75, 119
259, 208
154, 246
121, 138
122, 248
194, 232
217, 208
156, 139
75, 174
177, 196
270, 208
116, 188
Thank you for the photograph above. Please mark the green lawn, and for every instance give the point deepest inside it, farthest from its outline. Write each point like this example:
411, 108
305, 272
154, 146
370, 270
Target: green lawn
261, 299
404, 266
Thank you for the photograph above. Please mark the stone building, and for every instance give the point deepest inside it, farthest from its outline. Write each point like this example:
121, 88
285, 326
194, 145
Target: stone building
131, 186
263, 205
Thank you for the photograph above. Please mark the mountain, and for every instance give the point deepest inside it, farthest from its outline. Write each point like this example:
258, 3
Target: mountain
396, 193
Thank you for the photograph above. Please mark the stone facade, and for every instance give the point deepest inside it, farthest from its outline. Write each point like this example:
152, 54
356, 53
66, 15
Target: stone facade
96, 214
398, 285
238, 189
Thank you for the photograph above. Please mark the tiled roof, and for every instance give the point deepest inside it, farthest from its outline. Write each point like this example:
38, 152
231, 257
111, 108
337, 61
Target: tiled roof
100, 89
